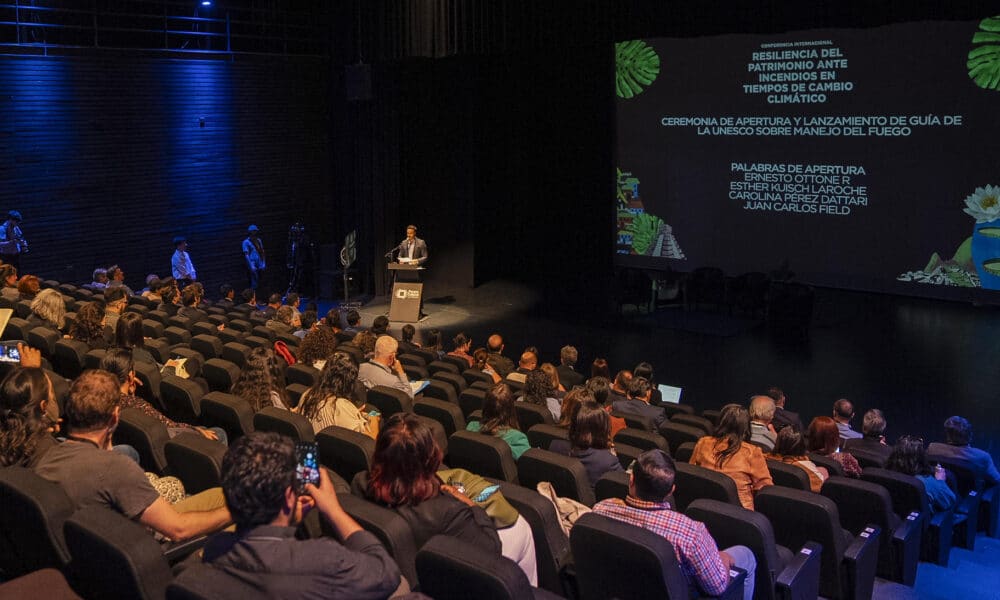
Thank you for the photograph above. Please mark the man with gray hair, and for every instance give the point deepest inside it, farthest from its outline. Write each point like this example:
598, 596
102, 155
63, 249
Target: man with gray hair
761, 414
384, 369
567, 368
873, 442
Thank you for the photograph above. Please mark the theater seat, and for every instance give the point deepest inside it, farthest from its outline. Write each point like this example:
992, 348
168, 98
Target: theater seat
114, 557
17, 329
152, 328
439, 365
456, 381
209, 346
614, 559
44, 583
635, 421
695, 482
235, 353
529, 415
415, 373
220, 374
909, 502
231, 413
471, 400
68, 358
389, 401
31, 522
147, 435
345, 452
441, 390
779, 574
295, 392
460, 363
566, 474
181, 398
684, 452
196, 461
390, 529
451, 569
284, 422
678, 433
613, 484
44, 339
484, 455
552, 555
540, 436
472, 376
694, 421
643, 439
790, 476
448, 414
300, 373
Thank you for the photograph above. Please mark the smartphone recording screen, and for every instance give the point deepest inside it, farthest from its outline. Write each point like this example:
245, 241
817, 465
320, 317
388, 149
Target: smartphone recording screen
306, 465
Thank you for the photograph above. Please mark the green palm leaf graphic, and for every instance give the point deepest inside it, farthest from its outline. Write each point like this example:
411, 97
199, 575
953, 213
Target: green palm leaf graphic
984, 60
636, 67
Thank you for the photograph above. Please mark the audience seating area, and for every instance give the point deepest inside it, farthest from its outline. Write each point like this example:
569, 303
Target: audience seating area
834, 543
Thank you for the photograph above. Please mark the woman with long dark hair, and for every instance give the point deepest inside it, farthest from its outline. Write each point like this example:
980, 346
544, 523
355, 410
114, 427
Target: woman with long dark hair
261, 382
500, 419
330, 401
28, 416
790, 448
462, 345
128, 335
729, 451
404, 477
480, 363
89, 325
538, 390
589, 440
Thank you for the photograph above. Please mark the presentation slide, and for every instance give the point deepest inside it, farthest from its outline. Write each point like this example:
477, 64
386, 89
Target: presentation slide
857, 158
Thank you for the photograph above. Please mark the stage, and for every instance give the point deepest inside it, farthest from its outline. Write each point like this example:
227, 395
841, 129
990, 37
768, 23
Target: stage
918, 360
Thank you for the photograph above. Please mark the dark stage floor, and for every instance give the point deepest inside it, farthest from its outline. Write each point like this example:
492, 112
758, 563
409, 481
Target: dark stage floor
919, 361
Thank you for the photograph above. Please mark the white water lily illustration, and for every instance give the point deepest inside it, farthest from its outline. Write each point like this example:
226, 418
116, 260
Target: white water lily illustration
984, 204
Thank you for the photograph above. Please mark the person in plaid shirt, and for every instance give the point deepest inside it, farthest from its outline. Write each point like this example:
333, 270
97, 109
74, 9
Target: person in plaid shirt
651, 480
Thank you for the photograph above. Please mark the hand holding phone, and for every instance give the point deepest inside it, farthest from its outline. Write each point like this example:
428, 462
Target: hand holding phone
306, 466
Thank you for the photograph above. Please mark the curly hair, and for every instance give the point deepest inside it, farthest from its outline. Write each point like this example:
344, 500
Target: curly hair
256, 471
23, 422
537, 387
336, 380
499, 413
89, 324
318, 344
366, 341
405, 463
261, 375
909, 457
50, 306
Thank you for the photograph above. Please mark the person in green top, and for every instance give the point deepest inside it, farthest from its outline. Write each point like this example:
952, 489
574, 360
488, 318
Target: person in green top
500, 419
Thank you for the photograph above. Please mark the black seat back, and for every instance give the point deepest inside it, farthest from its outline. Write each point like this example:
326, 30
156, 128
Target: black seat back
613, 484
451, 569
181, 398
235, 353
678, 433
540, 436
31, 522
832, 466
300, 373
529, 415
68, 358
439, 365
441, 390
471, 400
196, 461
345, 452
232, 413
456, 381
484, 455
448, 414
473, 375
209, 346
220, 374
694, 421
390, 529
695, 482
640, 438
45, 340
389, 401
790, 476
147, 435
285, 422
566, 474
551, 544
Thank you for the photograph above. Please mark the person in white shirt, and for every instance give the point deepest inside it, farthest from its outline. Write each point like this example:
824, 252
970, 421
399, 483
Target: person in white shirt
181, 266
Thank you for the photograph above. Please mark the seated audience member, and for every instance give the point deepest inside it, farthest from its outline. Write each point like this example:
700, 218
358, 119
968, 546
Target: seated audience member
48, 309
958, 444
316, 347
9, 275
538, 389
283, 320
153, 286
91, 475
480, 362
249, 300
262, 382
353, 322
527, 364
365, 341
190, 299
258, 480
100, 279
28, 287
761, 414
843, 412
89, 326
790, 448
330, 401
569, 403
332, 320
590, 441
550, 370
116, 278
128, 335
500, 363
170, 298
28, 417
406, 343
404, 477
644, 369
651, 481
380, 326
384, 369
873, 430
462, 346
292, 300
272, 306
115, 301
599, 368
782, 416
567, 367
600, 387
728, 452
637, 402
434, 342
227, 296
619, 387
119, 362
824, 439
908, 457
307, 322
500, 419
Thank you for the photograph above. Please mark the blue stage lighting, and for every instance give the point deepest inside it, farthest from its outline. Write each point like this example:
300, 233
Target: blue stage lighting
206, 2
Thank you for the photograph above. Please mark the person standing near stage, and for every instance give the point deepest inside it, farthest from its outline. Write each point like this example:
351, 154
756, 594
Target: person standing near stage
181, 265
12, 242
413, 248
253, 252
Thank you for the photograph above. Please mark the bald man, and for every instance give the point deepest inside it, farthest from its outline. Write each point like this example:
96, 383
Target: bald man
500, 363
384, 369
527, 364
